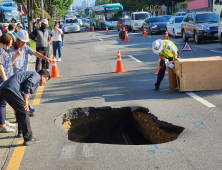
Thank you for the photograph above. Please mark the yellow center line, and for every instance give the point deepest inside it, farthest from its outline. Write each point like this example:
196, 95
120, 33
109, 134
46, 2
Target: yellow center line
38, 96
17, 155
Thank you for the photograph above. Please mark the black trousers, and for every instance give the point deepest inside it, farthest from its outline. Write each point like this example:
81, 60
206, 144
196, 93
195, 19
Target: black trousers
162, 70
22, 115
62, 38
45, 65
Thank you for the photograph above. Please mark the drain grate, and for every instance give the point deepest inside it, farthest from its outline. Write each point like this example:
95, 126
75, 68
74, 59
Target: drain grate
124, 126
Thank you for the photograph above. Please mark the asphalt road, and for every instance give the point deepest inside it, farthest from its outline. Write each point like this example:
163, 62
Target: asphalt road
88, 60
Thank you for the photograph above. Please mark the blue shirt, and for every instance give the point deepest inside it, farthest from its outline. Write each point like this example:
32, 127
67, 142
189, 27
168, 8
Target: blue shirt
21, 63
23, 25
6, 62
61, 26
23, 82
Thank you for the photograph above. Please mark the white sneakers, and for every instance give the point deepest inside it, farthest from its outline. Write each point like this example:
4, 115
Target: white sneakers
7, 129
10, 124
58, 59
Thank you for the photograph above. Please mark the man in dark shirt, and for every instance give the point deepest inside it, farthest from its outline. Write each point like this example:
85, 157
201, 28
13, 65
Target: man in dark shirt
16, 92
42, 37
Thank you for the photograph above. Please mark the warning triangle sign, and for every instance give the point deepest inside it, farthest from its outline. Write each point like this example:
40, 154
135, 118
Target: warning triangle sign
186, 47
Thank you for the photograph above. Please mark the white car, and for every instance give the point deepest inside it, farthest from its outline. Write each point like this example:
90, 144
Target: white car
180, 13
174, 26
71, 25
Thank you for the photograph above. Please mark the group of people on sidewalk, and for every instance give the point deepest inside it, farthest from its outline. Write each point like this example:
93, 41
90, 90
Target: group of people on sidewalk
17, 83
44, 38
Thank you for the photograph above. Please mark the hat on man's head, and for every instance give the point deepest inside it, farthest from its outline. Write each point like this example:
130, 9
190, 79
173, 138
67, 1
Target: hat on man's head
45, 21
23, 36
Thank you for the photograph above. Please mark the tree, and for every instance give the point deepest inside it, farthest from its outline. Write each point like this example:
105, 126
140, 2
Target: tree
38, 13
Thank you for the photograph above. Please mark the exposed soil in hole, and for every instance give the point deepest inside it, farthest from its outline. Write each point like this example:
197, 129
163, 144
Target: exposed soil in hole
126, 126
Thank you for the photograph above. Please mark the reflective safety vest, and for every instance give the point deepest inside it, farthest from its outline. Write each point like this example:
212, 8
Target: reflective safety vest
167, 53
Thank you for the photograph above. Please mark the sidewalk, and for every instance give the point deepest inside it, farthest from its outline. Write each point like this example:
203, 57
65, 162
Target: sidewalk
6, 139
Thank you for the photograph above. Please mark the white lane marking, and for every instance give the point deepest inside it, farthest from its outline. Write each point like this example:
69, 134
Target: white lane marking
68, 151
135, 59
87, 150
216, 51
201, 100
100, 39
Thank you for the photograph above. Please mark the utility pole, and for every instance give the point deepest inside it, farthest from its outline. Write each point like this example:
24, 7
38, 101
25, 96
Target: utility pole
42, 10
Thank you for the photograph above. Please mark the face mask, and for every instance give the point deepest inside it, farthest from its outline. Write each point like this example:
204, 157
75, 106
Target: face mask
43, 27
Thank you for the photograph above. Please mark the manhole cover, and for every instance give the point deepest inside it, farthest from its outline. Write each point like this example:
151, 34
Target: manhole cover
124, 126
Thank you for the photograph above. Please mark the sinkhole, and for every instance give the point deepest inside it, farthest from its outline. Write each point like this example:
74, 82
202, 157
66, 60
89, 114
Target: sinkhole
124, 126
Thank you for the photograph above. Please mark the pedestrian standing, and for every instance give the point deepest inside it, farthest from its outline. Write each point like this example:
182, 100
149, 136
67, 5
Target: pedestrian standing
42, 37
6, 71
13, 22
167, 51
57, 41
61, 26
16, 91
33, 24
11, 30
21, 63
23, 24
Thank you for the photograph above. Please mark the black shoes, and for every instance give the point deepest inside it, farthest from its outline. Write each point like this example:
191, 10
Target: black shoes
30, 142
157, 88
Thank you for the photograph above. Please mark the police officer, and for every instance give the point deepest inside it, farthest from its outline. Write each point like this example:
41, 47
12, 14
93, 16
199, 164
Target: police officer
167, 51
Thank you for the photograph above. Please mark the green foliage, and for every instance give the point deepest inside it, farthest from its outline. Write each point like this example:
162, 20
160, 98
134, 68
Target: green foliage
38, 13
82, 13
51, 24
32, 44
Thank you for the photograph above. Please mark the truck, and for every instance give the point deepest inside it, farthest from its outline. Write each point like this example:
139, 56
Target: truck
136, 21
9, 10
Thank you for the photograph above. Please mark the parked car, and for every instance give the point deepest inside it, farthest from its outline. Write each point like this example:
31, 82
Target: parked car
136, 21
121, 23
180, 14
174, 26
71, 25
167, 17
155, 24
200, 26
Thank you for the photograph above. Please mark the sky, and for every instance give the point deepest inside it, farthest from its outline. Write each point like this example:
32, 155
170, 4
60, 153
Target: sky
78, 2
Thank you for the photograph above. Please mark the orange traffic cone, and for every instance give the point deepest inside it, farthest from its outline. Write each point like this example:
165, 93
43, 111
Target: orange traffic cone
124, 29
126, 36
167, 36
107, 31
119, 65
55, 73
89, 29
92, 28
145, 34
159, 68
85, 28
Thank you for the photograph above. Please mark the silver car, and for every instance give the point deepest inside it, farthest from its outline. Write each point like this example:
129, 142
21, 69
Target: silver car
71, 25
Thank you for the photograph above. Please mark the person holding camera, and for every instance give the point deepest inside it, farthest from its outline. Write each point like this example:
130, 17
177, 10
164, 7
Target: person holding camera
43, 37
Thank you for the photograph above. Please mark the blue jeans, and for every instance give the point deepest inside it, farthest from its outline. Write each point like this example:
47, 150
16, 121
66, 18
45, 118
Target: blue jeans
57, 45
2, 111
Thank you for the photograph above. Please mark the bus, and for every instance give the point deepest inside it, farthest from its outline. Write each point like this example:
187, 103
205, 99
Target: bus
106, 15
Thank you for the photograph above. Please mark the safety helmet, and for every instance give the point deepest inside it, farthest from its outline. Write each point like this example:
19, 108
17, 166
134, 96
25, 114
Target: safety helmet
157, 46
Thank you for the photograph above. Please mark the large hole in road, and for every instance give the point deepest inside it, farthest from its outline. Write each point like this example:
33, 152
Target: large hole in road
126, 126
